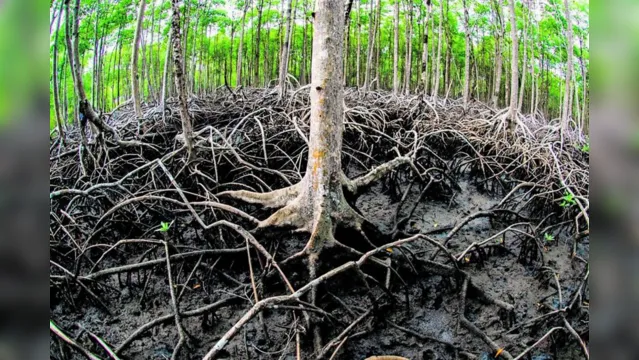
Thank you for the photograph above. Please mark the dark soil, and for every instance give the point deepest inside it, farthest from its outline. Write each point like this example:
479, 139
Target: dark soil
422, 301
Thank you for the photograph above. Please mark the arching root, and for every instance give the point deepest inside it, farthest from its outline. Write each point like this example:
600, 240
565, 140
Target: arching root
320, 217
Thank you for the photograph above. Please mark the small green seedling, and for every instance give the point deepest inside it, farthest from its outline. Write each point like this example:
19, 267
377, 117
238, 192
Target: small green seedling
585, 148
164, 227
548, 237
568, 199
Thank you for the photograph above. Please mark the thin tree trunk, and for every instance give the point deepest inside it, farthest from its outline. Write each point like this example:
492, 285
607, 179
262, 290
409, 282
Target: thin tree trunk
56, 86
167, 60
359, 43
499, 36
466, 93
347, 19
238, 78
258, 33
375, 79
396, 50
409, 46
303, 72
514, 71
180, 84
425, 71
285, 50
565, 116
524, 67
369, 50
135, 84
439, 50
584, 80
85, 108
96, 50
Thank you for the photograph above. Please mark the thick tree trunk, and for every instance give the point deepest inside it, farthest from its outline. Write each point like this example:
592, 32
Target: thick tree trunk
285, 49
180, 83
565, 116
514, 70
238, 71
425, 71
321, 190
466, 94
396, 50
135, 83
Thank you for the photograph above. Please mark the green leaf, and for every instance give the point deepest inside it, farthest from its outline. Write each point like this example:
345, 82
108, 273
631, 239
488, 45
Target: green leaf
164, 226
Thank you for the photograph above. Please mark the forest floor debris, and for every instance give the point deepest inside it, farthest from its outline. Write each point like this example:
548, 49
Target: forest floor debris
487, 235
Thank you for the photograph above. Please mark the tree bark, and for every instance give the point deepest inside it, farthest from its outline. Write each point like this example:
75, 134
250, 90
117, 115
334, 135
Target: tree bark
514, 69
565, 116
285, 49
180, 84
135, 84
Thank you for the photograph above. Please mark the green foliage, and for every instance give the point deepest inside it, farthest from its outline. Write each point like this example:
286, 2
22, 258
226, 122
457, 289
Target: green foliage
164, 227
568, 199
585, 148
549, 237
211, 39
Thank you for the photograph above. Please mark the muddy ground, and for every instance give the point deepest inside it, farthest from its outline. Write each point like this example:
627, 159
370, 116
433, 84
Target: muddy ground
419, 304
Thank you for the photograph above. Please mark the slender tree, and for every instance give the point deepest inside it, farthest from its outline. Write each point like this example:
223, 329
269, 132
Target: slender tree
425, 71
565, 114
135, 82
466, 57
85, 108
409, 46
56, 86
524, 64
371, 45
180, 84
514, 67
396, 50
285, 49
238, 72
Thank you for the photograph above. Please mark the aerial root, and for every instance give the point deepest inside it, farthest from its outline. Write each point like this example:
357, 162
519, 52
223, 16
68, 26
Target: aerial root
273, 199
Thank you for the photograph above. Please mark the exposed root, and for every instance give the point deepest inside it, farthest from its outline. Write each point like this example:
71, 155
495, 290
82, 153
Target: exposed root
109, 198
